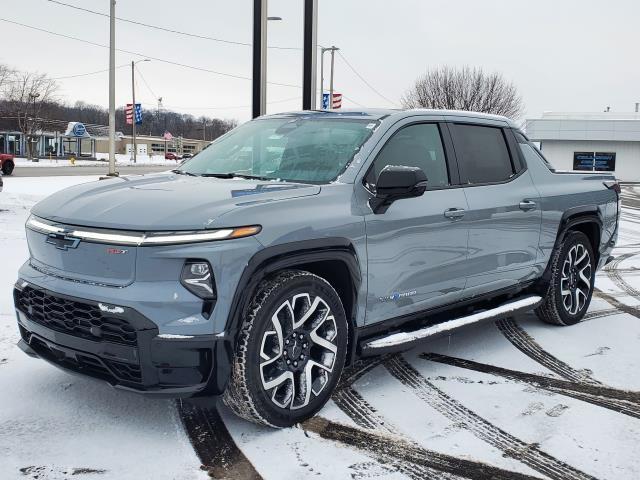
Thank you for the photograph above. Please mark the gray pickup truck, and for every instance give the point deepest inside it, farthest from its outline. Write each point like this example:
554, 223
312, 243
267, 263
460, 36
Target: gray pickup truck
299, 242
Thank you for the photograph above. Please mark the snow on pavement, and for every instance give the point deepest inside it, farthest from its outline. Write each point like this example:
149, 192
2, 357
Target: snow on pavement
514, 399
56, 426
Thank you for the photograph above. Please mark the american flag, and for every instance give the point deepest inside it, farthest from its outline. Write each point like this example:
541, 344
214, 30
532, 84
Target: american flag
337, 101
128, 111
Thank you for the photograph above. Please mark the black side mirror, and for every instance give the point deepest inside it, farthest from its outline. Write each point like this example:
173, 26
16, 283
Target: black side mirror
396, 182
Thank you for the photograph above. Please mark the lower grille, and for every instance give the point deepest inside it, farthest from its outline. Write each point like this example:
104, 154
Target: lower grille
75, 318
85, 363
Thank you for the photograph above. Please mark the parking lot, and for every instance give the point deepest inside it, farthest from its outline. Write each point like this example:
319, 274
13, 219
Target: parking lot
514, 399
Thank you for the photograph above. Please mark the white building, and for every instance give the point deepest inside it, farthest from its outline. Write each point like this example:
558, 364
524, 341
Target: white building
606, 141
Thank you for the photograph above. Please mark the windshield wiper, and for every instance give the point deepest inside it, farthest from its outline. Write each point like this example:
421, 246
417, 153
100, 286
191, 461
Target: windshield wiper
182, 172
236, 175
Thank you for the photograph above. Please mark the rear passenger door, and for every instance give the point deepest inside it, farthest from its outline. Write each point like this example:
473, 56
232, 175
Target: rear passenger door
503, 215
417, 248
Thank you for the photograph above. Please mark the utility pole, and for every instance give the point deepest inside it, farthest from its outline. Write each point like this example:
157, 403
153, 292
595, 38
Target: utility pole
112, 88
133, 123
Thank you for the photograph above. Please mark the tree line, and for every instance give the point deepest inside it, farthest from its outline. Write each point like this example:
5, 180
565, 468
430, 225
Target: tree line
29, 103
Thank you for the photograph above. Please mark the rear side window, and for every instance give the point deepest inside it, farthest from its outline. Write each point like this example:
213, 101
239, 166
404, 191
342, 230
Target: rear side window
482, 153
417, 145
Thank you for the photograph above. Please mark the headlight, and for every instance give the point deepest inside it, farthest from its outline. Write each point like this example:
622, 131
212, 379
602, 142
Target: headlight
197, 277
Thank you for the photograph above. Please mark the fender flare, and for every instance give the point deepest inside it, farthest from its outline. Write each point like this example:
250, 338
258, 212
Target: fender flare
570, 218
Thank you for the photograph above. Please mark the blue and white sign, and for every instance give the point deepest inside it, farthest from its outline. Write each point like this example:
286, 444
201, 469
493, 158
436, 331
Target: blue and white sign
79, 130
325, 101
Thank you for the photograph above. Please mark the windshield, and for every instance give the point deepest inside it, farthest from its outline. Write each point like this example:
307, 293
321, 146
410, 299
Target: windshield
296, 149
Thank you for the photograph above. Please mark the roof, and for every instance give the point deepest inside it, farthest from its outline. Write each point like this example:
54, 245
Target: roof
379, 113
600, 126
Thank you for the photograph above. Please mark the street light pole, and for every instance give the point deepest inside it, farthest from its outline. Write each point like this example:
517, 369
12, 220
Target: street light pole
112, 88
133, 122
133, 94
322, 52
333, 54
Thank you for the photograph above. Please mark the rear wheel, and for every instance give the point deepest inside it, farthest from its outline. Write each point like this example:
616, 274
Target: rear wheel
7, 167
572, 275
291, 350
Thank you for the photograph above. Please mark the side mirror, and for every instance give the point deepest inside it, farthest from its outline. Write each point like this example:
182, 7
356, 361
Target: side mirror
396, 182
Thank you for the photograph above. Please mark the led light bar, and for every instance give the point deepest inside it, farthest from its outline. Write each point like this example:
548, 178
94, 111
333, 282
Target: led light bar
147, 238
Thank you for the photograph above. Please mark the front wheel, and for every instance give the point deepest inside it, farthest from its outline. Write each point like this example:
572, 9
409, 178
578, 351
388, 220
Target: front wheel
291, 350
7, 167
572, 276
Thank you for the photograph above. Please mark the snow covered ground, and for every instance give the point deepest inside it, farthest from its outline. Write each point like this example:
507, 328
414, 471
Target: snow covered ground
121, 159
515, 399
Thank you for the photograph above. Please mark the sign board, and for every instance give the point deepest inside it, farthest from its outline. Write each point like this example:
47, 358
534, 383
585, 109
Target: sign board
76, 129
594, 161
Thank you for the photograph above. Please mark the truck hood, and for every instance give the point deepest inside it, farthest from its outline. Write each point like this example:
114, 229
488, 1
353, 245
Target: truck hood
164, 201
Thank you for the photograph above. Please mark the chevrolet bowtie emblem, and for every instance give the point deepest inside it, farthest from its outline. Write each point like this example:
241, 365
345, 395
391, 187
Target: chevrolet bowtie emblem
62, 242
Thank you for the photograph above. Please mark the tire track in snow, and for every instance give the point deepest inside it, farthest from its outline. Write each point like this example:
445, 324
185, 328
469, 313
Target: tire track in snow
511, 446
633, 311
620, 401
614, 275
218, 453
400, 449
364, 415
527, 345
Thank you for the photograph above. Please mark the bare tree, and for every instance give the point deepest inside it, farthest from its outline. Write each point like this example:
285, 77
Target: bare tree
27, 95
466, 88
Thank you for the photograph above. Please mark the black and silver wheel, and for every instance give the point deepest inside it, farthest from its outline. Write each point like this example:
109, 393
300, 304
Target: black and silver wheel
7, 167
571, 286
291, 350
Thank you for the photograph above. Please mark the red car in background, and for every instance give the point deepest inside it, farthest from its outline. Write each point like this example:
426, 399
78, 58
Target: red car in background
171, 156
6, 163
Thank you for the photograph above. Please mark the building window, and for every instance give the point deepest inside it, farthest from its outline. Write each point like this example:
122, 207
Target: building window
594, 161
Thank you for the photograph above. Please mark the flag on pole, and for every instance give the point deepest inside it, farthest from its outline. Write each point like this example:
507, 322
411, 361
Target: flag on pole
167, 136
337, 101
128, 111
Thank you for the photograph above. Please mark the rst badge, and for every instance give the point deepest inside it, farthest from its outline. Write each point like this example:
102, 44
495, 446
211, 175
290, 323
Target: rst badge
117, 251
62, 241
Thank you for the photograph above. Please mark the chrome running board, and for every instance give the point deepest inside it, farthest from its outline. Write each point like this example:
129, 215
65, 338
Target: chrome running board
405, 340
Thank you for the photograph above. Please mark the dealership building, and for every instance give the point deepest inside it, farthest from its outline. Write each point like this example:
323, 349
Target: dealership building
605, 141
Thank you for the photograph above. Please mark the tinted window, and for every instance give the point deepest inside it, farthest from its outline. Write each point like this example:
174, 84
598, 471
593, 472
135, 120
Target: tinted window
415, 146
482, 153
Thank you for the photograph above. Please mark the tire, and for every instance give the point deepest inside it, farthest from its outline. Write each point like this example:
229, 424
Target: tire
265, 389
7, 167
573, 273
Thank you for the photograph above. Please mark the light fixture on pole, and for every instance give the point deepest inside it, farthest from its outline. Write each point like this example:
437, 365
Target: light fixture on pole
134, 111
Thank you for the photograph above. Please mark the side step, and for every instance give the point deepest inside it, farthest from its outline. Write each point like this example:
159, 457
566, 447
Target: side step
406, 340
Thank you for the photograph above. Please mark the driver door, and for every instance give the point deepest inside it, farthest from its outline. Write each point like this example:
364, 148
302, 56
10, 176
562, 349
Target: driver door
417, 248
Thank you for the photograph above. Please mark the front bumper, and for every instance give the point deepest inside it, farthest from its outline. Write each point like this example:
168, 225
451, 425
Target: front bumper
121, 347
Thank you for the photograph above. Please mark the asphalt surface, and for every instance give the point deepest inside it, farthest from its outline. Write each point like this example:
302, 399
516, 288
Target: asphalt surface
101, 170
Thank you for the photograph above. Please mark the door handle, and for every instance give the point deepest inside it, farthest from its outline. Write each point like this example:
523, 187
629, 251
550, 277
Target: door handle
527, 205
454, 213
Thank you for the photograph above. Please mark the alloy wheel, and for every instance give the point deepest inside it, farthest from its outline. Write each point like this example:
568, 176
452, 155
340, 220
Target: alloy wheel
575, 282
298, 351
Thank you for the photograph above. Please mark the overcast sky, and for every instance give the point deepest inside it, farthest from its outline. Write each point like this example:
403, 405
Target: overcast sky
563, 55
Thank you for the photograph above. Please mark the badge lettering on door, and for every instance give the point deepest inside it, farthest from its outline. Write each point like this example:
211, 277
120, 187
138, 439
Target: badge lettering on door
116, 251
395, 296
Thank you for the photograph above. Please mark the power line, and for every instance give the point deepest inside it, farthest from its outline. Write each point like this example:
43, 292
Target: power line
162, 60
165, 29
364, 80
145, 82
74, 75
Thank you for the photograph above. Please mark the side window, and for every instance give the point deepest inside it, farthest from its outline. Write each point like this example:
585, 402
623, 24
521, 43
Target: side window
482, 153
417, 145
